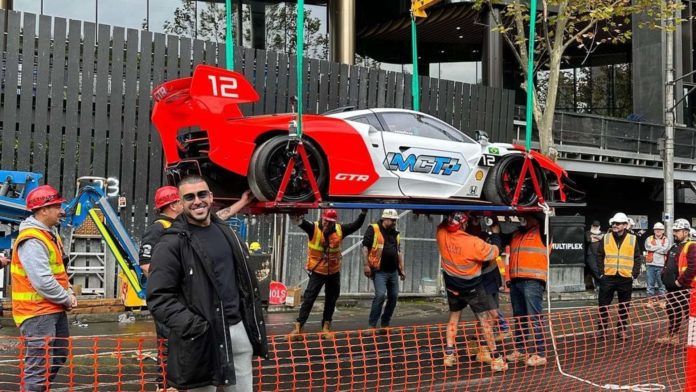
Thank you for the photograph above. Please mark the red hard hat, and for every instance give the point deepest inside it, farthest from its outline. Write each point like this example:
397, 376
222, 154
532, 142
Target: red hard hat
166, 195
456, 220
330, 215
43, 196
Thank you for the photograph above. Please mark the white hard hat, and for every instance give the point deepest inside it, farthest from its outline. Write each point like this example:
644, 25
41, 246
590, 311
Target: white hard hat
681, 224
390, 214
658, 226
631, 222
620, 217
692, 234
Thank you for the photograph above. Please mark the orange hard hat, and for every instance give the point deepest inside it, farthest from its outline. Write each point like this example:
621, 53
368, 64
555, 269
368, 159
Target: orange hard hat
166, 195
330, 215
43, 196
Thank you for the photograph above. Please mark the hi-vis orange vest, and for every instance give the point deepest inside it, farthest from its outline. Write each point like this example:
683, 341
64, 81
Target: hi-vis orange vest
26, 301
528, 256
463, 254
619, 261
683, 263
374, 258
320, 260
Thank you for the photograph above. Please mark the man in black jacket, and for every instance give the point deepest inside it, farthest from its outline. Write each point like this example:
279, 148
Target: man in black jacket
678, 278
201, 288
618, 261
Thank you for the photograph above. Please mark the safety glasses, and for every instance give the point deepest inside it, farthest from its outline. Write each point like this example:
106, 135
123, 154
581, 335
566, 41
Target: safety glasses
192, 196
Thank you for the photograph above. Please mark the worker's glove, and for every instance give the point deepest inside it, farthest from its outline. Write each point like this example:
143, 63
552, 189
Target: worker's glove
507, 284
402, 275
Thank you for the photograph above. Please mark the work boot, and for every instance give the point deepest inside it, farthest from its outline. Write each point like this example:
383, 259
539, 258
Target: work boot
484, 355
372, 330
326, 330
296, 333
499, 365
674, 340
503, 335
515, 356
450, 360
536, 360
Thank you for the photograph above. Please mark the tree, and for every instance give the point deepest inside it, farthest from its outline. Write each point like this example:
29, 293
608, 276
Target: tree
281, 23
562, 23
281, 36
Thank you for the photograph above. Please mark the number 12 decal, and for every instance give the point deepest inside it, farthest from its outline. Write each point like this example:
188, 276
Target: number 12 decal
224, 86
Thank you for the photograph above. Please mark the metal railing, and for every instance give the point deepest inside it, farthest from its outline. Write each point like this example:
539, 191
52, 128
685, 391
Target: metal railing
607, 133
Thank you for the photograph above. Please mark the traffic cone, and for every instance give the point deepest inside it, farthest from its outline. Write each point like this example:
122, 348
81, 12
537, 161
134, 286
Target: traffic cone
690, 383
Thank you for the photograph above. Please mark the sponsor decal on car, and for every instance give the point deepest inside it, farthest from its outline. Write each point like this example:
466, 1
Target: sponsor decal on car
494, 150
422, 164
488, 160
352, 177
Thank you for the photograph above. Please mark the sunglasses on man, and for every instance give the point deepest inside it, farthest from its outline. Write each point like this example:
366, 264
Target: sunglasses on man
192, 196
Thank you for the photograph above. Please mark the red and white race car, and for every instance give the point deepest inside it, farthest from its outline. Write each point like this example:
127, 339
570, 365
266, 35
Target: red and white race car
372, 154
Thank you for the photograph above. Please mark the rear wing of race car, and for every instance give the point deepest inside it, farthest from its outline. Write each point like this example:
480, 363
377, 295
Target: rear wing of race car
210, 96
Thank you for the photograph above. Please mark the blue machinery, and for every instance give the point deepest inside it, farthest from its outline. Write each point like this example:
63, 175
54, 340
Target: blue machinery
13, 192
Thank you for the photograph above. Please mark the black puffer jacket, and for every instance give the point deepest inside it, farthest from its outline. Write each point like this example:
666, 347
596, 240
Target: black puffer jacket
182, 294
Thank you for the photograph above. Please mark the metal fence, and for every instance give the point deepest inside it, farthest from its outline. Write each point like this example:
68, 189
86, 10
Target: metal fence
589, 130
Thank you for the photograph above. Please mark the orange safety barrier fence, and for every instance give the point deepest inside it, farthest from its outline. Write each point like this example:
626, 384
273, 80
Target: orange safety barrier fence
410, 358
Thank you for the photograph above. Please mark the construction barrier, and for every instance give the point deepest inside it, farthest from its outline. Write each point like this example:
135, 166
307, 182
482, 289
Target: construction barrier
410, 358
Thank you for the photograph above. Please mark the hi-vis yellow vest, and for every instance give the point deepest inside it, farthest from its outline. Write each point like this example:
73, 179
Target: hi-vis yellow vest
320, 260
374, 258
165, 223
619, 261
26, 301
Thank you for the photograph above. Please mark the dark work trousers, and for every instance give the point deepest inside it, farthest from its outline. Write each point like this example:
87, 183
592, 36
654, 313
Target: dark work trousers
331, 292
623, 287
677, 308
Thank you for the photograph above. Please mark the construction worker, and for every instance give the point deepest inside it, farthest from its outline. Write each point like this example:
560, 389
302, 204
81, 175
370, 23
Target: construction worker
41, 293
657, 247
463, 258
678, 277
168, 206
619, 263
323, 265
384, 264
528, 273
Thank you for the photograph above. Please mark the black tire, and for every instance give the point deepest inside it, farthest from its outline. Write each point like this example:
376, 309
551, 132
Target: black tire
267, 168
500, 185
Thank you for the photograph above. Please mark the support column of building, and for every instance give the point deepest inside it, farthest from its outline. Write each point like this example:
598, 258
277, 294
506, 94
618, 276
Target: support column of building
258, 25
6, 4
492, 61
648, 47
342, 31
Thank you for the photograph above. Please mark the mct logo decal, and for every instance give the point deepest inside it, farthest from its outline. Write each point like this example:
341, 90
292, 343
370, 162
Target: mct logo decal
422, 164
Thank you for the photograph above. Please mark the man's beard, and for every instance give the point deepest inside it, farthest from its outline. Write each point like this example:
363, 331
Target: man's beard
190, 215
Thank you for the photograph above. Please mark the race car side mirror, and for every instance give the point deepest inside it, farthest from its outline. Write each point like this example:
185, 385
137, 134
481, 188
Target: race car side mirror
481, 137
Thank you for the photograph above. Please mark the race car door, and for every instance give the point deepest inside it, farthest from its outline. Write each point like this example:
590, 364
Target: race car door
430, 157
